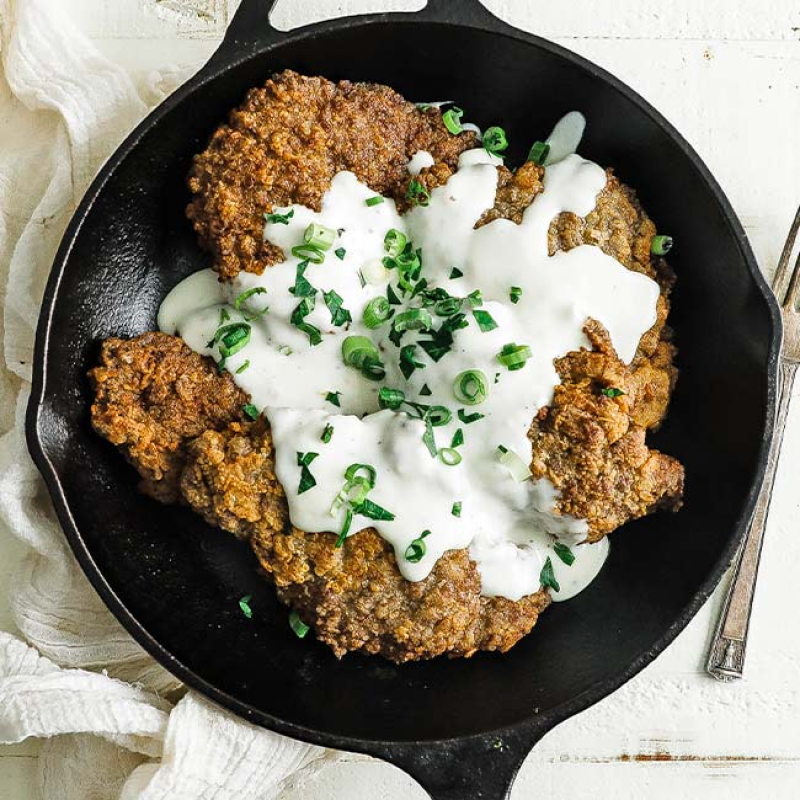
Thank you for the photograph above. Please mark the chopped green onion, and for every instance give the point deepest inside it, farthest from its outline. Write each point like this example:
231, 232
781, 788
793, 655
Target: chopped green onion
377, 312
439, 416
340, 253
547, 576
416, 550
415, 319
327, 434
244, 605
611, 391
246, 295
468, 419
366, 508
471, 387
224, 316
458, 438
425, 391
539, 152
450, 456
352, 472
374, 201
485, 321
475, 298
353, 491
513, 356
361, 279
564, 553
391, 398
661, 245
319, 236
391, 296
307, 480
456, 273
299, 627
308, 253
305, 307
514, 294
394, 242
339, 315
302, 288
231, 338
348, 520
452, 120
447, 307
418, 194
456, 510
361, 353
428, 438
333, 398
407, 361
494, 140
519, 470
280, 219
243, 367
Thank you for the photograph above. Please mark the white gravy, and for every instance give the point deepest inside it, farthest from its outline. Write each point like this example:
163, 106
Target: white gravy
509, 527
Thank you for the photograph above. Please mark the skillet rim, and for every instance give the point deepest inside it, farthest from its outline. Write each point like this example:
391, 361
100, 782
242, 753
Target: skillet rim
532, 728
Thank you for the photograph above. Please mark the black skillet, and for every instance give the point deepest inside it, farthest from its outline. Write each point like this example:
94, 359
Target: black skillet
461, 728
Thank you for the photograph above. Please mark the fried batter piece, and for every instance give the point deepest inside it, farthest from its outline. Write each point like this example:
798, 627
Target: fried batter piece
285, 143
180, 422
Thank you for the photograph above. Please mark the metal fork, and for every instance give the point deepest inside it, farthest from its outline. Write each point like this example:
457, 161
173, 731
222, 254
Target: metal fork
726, 655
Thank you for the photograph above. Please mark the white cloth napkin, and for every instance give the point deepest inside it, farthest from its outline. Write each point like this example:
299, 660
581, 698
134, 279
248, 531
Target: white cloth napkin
117, 726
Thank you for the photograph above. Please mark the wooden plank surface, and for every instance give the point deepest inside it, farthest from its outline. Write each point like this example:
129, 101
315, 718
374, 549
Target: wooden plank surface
728, 75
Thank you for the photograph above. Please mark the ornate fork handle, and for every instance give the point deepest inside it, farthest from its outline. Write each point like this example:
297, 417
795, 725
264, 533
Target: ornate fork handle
726, 656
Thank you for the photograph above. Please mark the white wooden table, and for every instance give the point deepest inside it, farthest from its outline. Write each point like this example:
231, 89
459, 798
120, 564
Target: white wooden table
727, 73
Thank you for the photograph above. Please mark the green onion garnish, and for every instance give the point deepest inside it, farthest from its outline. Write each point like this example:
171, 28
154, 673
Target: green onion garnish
485, 321
539, 152
428, 438
418, 194
456, 510
513, 356
340, 253
519, 470
352, 472
308, 252
316, 235
297, 319
302, 288
394, 242
333, 398
425, 391
416, 550
471, 387
244, 605
439, 416
339, 315
280, 219
391, 398
452, 120
231, 338
494, 140
468, 419
224, 316
244, 296
611, 391
361, 353
374, 201
348, 520
564, 553
456, 273
366, 508
415, 319
450, 456
407, 361
514, 294
377, 312
447, 307
299, 627
327, 434
458, 438
661, 245
307, 480
547, 577
243, 367
391, 296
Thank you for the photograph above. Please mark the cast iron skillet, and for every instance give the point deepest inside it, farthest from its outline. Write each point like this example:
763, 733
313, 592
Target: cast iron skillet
461, 728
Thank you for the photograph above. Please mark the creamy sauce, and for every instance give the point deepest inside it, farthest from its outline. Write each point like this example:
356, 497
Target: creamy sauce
509, 527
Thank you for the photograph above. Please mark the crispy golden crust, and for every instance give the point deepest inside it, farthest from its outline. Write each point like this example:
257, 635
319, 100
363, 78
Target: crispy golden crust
285, 143
180, 424
152, 394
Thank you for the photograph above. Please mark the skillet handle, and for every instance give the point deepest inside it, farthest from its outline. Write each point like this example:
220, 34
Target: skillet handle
459, 12
478, 768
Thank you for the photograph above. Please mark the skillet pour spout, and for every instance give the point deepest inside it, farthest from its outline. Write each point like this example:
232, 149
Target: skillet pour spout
461, 728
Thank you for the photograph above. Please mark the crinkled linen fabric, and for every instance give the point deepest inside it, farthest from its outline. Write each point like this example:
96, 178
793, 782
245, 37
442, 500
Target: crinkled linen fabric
115, 725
